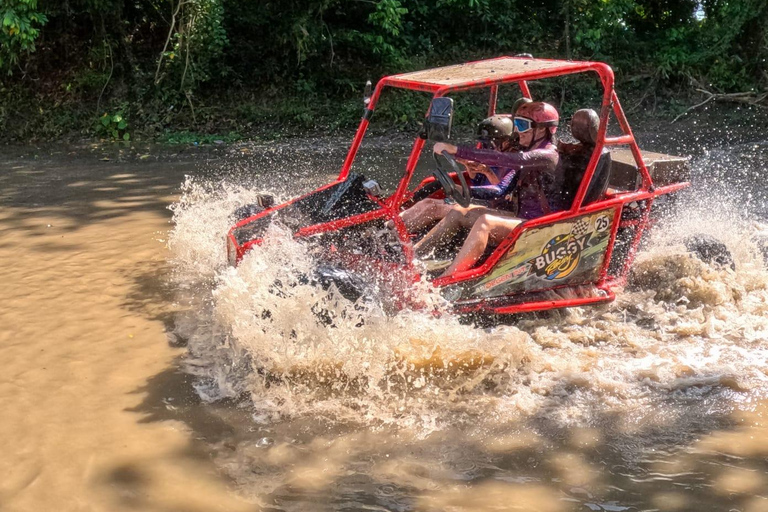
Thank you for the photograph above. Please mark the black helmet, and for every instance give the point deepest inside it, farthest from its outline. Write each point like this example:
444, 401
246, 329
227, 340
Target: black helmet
519, 103
495, 128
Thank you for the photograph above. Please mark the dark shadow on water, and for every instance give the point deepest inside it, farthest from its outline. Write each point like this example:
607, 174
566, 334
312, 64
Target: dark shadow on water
81, 187
151, 293
82, 192
171, 396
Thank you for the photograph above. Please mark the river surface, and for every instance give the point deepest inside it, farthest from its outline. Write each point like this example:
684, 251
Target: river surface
140, 373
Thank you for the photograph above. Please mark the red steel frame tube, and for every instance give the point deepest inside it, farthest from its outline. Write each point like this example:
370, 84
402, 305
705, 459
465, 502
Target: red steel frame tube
526, 307
603, 70
524, 89
606, 76
622, 119
494, 95
369, 108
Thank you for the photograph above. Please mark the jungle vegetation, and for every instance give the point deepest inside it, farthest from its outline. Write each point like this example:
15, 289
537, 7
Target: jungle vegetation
121, 68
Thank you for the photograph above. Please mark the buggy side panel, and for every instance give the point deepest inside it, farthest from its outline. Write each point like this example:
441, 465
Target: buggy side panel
570, 252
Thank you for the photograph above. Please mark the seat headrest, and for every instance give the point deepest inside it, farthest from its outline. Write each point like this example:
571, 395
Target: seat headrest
584, 126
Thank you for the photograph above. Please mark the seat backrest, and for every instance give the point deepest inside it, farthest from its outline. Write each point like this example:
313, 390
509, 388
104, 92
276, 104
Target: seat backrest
599, 183
574, 159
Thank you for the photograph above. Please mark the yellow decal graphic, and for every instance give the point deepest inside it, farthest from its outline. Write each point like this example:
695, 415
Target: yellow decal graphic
559, 257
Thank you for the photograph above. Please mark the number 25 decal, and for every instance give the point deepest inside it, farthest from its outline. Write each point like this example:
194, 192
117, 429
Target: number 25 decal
602, 223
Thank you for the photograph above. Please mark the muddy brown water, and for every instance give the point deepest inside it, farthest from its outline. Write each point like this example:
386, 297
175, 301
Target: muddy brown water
96, 412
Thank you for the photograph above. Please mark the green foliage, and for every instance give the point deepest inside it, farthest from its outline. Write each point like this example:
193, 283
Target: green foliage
214, 66
21, 22
113, 126
197, 41
388, 16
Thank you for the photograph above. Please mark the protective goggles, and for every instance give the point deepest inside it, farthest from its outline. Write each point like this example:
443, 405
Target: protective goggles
523, 124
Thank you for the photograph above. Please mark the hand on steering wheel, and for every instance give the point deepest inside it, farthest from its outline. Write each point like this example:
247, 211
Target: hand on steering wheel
460, 194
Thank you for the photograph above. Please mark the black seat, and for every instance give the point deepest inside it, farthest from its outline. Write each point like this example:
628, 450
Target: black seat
574, 159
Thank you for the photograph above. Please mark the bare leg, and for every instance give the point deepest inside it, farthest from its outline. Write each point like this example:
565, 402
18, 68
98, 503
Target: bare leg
487, 228
424, 213
456, 219
439, 233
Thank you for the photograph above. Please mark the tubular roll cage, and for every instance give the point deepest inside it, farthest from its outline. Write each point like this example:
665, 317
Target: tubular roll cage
547, 68
610, 102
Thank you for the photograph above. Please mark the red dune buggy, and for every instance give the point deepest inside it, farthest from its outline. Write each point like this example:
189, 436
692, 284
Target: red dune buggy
566, 258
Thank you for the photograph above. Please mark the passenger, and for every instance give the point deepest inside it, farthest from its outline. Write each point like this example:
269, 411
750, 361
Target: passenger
494, 134
537, 192
574, 159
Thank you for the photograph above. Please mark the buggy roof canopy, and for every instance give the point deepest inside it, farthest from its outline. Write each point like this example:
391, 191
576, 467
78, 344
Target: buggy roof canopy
490, 71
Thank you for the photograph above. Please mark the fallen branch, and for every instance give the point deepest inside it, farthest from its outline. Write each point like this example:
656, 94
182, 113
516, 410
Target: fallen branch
747, 97
111, 70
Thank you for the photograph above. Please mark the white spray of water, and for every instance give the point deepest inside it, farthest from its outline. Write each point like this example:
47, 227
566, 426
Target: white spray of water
681, 327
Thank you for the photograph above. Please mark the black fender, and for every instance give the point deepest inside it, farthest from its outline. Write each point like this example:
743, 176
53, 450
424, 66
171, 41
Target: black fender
351, 286
263, 201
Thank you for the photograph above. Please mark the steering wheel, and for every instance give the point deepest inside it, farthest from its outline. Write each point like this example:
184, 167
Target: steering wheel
460, 194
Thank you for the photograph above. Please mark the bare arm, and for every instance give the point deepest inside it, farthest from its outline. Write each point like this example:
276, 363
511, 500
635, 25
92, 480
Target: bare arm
534, 160
475, 168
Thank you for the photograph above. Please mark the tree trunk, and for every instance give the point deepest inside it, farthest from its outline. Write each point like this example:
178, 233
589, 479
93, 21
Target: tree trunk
124, 53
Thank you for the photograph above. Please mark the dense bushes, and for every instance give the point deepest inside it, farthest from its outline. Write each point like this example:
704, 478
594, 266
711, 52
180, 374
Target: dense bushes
175, 63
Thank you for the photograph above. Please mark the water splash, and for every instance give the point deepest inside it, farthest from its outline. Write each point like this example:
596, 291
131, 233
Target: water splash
201, 218
680, 330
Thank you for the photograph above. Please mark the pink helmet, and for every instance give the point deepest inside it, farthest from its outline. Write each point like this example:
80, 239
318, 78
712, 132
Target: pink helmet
542, 114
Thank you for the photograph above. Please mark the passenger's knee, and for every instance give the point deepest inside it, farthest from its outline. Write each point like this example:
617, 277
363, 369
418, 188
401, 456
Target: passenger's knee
454, 216
431, 205
483, 222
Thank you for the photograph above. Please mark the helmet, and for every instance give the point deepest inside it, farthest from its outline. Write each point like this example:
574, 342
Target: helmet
495, 127
542, 114
519, 103
584, 126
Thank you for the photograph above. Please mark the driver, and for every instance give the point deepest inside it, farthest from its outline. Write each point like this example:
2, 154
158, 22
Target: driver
495, 134
534, 195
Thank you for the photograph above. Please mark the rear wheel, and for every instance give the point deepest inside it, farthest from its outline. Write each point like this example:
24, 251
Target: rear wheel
709, 250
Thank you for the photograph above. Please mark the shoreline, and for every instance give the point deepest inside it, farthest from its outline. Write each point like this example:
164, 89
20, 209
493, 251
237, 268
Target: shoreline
711, 127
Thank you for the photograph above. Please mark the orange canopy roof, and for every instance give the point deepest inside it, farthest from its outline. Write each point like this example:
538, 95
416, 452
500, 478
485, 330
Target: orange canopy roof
502, 69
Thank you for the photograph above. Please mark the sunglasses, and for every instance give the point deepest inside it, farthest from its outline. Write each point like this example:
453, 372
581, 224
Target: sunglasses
523, 124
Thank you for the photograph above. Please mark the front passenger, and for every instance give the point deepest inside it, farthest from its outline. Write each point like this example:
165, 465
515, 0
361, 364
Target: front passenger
535, 125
